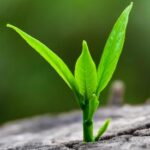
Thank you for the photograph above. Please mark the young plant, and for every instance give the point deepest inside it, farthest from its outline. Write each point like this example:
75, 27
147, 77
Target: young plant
88, 81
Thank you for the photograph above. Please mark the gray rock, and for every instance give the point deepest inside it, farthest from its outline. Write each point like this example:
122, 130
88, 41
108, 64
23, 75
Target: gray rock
129, 130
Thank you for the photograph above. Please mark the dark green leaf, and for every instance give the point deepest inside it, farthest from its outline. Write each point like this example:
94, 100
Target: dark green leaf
112, 50
85, 73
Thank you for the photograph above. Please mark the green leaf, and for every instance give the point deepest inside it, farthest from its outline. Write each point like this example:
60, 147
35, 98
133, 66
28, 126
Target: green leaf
112, 50
102, 129
93, 105
55, 61
85, 73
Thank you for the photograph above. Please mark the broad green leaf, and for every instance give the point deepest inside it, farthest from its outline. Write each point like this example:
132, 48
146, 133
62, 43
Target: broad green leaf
112, 50
55, 61
85, 73
93, 105
102, 129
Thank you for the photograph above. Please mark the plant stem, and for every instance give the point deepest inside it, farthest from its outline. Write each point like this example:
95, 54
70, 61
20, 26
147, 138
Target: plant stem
87, 127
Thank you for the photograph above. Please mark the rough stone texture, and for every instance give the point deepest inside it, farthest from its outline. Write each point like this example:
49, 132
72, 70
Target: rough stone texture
129, 130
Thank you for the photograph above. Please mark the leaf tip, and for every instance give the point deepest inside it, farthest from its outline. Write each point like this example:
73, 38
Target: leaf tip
84, 43
108, 121
8, 25
84, 46
130, 6
11, 26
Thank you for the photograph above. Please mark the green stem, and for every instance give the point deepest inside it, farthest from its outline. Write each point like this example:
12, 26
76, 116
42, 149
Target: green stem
87, 127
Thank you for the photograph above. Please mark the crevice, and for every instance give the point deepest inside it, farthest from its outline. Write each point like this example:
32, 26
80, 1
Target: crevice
127, 132
74, 145
71, 144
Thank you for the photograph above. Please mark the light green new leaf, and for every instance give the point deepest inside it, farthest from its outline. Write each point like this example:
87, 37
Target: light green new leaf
93, 105
112, 50
85, 73
102, 129
55, 61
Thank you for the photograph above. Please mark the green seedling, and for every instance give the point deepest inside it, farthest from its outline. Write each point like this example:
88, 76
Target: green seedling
88, 81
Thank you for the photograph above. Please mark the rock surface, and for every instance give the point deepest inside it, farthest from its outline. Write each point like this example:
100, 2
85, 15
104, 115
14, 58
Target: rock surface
129, 130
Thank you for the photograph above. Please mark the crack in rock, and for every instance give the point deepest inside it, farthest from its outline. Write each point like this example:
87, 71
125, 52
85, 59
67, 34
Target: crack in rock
129, 130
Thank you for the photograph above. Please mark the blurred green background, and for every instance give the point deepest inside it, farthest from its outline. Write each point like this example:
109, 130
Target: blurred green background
29, 86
